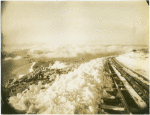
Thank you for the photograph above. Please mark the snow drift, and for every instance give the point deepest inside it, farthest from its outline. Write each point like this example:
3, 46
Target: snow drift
138, 61
79, 92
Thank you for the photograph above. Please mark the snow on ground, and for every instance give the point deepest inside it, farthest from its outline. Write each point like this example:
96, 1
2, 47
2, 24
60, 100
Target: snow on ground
20, 76
31, 69
79, 92
137, 61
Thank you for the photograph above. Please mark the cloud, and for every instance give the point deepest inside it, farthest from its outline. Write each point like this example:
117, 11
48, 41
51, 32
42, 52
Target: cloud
16, 58
75, 51
8, 58
59, 65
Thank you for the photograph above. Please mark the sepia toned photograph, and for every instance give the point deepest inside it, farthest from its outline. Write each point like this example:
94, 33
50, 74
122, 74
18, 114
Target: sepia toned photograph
75, 57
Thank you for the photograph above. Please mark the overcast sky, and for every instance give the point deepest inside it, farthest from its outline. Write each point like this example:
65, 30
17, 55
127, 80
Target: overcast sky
34, 22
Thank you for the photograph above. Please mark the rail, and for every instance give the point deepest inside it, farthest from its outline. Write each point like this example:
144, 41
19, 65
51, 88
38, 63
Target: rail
127, 99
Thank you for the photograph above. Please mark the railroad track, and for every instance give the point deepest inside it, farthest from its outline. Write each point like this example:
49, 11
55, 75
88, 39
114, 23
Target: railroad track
131, 96
130, 69
140, 85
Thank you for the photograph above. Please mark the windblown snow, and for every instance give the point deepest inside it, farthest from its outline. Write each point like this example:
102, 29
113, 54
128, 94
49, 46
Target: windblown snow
79, 92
